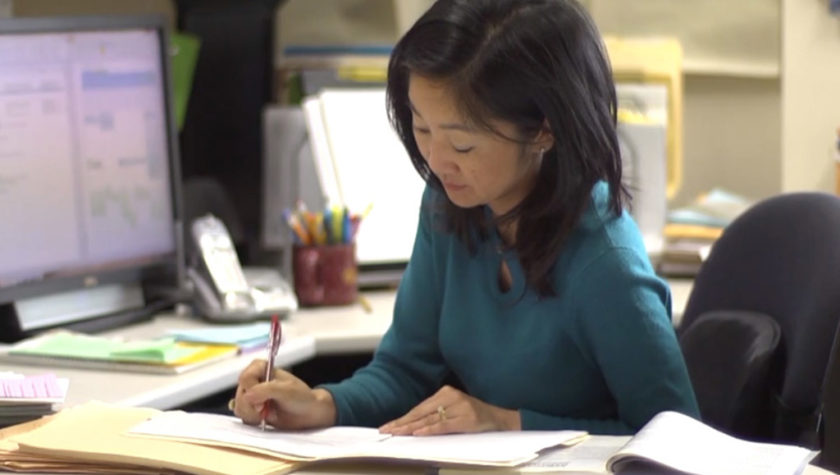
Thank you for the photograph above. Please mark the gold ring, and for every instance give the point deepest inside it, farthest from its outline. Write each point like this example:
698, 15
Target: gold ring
232, 405
441, 411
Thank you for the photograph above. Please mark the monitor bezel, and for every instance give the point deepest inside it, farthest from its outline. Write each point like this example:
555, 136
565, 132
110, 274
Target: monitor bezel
169, 267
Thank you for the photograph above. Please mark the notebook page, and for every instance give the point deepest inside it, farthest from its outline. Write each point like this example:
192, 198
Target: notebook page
488, 448
683, 443
231, 432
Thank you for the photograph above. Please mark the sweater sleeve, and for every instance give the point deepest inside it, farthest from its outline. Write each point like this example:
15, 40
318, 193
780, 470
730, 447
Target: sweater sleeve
407, 366
624, 327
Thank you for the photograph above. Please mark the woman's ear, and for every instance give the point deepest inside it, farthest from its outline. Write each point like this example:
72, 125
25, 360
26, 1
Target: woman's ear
544, 139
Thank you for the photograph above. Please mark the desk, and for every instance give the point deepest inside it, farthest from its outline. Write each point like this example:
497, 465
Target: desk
680, 291
163, 391
372, 469
307, 333
342, 330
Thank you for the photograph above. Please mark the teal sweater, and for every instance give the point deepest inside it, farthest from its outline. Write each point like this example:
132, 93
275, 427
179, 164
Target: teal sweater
599, 356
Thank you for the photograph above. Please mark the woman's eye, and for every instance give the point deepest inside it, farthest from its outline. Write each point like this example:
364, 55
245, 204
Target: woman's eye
418, 130
462, 149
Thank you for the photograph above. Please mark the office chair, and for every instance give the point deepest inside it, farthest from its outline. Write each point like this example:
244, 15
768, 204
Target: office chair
830, 443
775, 272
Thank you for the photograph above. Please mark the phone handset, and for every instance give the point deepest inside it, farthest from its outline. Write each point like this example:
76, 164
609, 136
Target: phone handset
227, 290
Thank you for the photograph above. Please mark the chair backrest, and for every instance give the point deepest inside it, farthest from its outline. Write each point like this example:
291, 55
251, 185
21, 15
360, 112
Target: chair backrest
830, 443
731, 357
782, 258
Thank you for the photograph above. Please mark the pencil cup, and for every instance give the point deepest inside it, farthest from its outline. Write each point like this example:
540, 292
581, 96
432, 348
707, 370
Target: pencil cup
325, 275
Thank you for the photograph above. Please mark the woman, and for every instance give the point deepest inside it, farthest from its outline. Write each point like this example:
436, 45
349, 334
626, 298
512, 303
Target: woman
527, 279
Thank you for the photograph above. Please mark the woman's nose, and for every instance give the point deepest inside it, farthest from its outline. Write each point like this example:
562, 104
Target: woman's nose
439, 160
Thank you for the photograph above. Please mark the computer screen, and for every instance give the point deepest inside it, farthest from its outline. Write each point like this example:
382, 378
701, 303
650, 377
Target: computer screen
87, 158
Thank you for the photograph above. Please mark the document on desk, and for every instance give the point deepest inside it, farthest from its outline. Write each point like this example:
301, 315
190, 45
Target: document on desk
674, 441
76, 350
498, 449
589, 456
92, 438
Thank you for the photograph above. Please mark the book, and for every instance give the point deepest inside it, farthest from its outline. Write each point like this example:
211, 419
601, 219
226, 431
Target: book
683, 256
19, 389
691, 231
24, 398
670, 443
76, 350
495, 449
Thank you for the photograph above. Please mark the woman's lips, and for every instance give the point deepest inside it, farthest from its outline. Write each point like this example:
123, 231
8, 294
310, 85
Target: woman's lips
453, 186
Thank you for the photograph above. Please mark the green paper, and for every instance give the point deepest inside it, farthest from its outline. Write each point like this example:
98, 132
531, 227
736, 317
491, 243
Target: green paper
72, 345
184, 55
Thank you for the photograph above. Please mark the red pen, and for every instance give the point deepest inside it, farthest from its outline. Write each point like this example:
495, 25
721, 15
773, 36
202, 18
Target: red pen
273, 345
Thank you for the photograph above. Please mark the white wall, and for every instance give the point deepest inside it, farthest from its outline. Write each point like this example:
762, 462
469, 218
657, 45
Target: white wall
810, 96
731, 86
730, 136
722, 37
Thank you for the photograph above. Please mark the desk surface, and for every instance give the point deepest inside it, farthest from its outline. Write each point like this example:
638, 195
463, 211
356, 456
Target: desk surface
162, 391
307, 333
372, 469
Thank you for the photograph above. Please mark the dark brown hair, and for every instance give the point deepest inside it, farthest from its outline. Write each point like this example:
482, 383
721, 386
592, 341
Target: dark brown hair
527, 62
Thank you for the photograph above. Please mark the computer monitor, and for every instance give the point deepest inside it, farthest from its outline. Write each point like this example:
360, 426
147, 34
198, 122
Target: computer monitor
88, 164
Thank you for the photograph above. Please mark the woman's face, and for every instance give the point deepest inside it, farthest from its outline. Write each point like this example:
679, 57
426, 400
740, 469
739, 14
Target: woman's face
476, 167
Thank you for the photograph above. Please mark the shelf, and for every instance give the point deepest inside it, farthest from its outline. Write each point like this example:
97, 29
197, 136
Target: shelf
731, 68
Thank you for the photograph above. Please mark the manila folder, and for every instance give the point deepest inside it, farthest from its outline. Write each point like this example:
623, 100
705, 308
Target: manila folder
96, 432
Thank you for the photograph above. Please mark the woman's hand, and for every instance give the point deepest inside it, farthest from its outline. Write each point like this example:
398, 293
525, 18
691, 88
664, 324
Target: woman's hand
292, 403
450, 410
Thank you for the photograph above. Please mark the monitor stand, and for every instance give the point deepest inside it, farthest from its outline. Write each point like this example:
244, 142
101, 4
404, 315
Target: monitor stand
27, 316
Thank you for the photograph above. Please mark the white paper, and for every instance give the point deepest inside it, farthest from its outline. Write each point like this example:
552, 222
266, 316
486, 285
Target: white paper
370, 166
588, 456
489, 448
321, 150
307, 444
591, 455
682, 443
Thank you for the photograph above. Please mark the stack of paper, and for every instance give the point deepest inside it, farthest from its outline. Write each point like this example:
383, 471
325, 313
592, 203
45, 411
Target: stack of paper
91, 438
222, 445
493, 449
350, 135
111, 439
23, 398
247, 337
692, 230
69, 349
670, 443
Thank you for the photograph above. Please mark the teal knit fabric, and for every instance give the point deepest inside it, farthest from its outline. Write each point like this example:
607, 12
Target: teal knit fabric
601, 355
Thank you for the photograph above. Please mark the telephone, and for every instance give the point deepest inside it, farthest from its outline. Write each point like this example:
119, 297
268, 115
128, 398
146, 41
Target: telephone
224, 291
